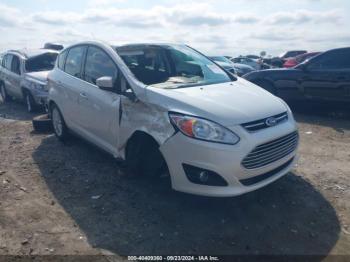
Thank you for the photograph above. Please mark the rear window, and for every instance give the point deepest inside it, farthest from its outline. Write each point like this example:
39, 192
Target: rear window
42, 62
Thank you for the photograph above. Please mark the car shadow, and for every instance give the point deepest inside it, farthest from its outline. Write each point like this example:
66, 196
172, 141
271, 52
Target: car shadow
140, 216
15, 110
331, 114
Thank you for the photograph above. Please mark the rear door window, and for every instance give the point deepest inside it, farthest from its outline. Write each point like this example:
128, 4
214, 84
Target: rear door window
62, 59
8, 60
74, 61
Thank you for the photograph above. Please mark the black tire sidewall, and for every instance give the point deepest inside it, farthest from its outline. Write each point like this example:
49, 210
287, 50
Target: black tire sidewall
140, 157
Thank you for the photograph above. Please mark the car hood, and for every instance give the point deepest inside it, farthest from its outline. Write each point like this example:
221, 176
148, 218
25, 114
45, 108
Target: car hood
229, 103
38, 76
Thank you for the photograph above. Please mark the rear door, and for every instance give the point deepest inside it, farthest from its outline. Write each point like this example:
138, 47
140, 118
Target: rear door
7, 75
328, 76
72, 86
15, 76
100, 107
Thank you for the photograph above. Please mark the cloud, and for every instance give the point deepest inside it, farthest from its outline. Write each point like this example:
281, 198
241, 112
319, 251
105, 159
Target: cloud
210, 26
56, 18
271, 35
9, 16
304, 16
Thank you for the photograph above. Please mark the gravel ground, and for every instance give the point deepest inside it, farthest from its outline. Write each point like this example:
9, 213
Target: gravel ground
65, 199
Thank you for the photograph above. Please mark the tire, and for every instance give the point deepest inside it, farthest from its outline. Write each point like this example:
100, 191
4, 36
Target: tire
42, 124
5, 97
29, 101
59, 126
143, 158
268, 86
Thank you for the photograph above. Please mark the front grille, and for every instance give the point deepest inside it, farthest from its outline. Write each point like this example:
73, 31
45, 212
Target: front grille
272, 151
254, 180
262, 123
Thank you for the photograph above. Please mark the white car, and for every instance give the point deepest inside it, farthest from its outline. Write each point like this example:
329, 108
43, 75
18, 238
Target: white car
23, 75
165, 107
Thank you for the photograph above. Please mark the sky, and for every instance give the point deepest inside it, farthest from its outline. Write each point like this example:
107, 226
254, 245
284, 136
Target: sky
215, 27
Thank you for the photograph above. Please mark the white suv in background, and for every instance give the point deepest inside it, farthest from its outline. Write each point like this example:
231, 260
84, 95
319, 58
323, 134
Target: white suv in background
23, 75
164, 107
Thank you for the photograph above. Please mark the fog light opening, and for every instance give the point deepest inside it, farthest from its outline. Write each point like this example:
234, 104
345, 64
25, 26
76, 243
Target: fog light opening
203, 177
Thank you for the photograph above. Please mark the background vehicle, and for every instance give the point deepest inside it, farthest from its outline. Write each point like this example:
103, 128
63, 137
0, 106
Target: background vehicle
324, 77
291, 62
236, 68
257, 64
23, 75
293, 53
280, 60
53, 46
247, 61
167, 107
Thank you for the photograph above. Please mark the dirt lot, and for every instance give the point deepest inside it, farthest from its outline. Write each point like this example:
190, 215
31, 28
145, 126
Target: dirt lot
74, 199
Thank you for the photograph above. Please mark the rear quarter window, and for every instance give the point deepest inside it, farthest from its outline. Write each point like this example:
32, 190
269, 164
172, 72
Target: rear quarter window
61, 60
74, 61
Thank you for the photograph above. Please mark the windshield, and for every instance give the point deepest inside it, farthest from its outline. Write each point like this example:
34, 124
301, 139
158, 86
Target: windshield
42, 62
171, 66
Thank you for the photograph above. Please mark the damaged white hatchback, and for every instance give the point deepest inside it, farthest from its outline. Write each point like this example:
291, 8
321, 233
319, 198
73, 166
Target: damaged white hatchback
165, 107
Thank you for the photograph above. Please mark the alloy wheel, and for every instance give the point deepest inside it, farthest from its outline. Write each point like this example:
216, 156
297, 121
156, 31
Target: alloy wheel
57, 122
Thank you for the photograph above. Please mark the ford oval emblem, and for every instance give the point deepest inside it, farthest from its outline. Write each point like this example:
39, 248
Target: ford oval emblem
271, 121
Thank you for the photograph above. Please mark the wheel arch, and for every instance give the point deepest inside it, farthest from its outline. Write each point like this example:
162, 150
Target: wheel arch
141, 135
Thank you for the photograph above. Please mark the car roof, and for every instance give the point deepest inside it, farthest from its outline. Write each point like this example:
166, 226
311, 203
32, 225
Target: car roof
139, 45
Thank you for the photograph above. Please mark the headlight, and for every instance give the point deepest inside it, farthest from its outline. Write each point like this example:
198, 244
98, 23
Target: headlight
39, 87
203, 129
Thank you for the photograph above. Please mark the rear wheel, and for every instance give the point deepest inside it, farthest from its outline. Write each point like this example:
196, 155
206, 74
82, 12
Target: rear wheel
59, 126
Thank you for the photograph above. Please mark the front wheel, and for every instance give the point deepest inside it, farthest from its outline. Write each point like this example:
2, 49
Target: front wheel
30, 102
59, 126
4, 96
144, 158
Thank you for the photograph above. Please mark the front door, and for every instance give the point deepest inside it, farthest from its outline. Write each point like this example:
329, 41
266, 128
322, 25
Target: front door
328, 76
100, 107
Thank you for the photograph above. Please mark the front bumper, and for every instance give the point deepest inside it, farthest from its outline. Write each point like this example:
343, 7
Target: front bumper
40, 96
225, 160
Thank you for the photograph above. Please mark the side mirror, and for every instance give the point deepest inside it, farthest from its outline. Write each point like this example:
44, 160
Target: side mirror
105, 83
